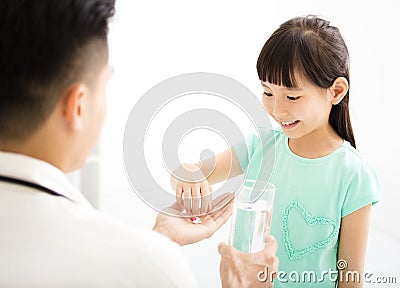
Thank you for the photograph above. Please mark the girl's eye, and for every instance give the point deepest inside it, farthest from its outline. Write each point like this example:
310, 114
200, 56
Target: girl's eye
293, 98
268, 94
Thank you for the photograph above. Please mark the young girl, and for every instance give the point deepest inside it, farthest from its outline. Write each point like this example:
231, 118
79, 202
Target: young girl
325, 188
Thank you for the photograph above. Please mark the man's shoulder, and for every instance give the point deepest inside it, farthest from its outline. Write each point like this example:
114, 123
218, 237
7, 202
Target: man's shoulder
76, 243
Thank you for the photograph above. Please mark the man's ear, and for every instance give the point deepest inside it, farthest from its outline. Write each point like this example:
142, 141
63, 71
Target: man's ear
338, 90
74, 97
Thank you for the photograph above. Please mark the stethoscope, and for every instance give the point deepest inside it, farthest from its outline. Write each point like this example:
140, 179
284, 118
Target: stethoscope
32, 185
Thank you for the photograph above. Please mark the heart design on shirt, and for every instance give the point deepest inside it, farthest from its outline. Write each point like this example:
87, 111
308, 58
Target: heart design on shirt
310, 220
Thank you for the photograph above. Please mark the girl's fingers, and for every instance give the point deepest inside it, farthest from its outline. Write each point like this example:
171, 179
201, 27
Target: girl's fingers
187, 198
178, 194
196, 198
206, 198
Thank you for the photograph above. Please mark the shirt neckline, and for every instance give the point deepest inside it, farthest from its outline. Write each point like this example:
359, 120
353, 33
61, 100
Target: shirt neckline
312, 160
39, 172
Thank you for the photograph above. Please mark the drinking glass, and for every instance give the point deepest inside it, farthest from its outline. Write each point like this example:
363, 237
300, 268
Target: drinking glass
251, 217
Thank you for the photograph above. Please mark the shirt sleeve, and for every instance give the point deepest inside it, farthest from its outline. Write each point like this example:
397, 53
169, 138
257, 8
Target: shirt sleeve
363, 189
259, 151
245, 150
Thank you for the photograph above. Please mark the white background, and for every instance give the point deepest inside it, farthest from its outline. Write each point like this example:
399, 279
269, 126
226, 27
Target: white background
151, 41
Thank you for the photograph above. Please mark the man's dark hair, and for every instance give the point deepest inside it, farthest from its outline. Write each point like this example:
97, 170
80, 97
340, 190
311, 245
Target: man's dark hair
45, 46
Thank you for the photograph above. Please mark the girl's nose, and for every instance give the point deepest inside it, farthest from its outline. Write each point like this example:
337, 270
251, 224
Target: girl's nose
279, 108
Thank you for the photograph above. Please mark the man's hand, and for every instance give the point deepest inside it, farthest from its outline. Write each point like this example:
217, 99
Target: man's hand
181, 230
248, 270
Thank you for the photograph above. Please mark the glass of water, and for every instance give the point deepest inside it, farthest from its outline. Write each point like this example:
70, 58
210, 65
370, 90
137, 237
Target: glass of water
251, 217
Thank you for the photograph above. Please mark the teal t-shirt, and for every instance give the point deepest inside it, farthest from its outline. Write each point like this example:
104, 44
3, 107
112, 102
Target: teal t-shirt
312, 195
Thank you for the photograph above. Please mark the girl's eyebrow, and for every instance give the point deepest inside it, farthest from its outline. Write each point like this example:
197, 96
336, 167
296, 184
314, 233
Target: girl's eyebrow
294, 89
288, 88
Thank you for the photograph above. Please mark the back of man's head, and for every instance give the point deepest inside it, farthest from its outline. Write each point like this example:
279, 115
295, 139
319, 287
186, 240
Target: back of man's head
46, 46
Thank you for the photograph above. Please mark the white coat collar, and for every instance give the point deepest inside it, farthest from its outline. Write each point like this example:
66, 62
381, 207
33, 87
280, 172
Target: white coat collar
22, 167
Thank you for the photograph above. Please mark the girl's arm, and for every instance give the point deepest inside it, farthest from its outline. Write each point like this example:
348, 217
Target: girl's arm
227, 166
352, 247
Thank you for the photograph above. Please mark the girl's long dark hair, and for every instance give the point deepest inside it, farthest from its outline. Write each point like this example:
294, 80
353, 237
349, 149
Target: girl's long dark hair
314, 48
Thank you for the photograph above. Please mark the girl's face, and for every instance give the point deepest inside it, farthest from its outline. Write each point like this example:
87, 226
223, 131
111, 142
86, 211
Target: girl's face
299, 111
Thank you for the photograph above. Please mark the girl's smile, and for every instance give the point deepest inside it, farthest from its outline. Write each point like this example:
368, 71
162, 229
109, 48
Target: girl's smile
290, 124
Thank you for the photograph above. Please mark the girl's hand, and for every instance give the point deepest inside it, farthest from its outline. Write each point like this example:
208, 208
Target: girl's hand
194, 196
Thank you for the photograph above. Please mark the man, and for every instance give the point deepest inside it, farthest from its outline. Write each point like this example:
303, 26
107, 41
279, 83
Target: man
53, 74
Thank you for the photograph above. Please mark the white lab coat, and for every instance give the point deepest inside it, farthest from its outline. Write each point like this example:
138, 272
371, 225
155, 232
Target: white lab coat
50, 241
